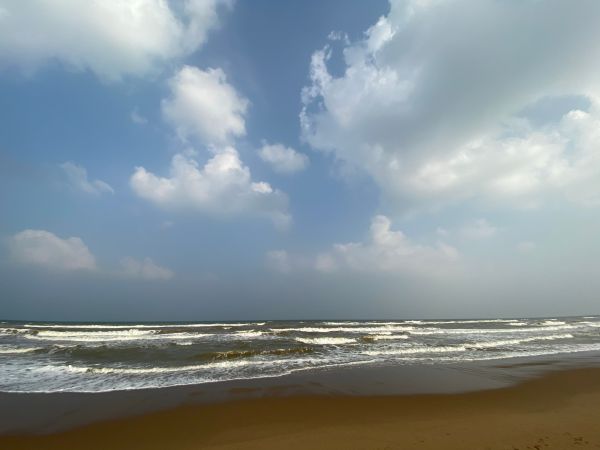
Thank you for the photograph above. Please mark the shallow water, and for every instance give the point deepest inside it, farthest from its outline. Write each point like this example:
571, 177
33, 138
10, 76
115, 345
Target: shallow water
96, 357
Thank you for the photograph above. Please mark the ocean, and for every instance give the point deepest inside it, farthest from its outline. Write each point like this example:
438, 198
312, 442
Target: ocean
100, 357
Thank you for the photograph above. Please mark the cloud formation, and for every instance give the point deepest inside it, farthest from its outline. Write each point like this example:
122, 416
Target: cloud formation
435, 103
111, 38
145, 269
222, 187
44, 249
389, 251
284, 160
78, 180
203, 105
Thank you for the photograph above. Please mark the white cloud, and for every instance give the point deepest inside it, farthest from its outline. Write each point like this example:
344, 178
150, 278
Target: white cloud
137, 118
223, 187
78, 180
44, 249
389, 251
478, 229
430, 103
146, 269
112, 38
283, 159
203, 105
279, 261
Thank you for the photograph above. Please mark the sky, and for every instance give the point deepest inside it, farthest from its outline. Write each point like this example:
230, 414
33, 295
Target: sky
220, 159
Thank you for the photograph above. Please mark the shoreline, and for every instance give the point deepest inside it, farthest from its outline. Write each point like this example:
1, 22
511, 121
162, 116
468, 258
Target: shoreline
58, 420
560, 409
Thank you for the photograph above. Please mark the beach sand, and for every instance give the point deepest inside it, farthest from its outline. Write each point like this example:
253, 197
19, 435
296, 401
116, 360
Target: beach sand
559, 410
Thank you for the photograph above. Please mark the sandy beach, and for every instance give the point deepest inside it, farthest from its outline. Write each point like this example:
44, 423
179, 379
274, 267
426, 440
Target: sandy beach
558, 410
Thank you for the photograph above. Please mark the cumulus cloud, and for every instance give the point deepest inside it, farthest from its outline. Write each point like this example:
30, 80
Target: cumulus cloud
44, 249
146, 269
77, 179
222, 187
435, 103
204, 105
111, 38
389, 251
283, 159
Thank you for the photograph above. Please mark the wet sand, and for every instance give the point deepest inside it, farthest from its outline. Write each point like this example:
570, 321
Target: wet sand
558, 410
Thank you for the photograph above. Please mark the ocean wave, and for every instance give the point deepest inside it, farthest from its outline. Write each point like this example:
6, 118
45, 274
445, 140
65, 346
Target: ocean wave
517, 330
473, 321
225, 365
144, 326
551, 322
7, 330
343, 323
112, 336
591, 324
342, 329
136, 370
367, 322
383, 337
507, 342
463, 347
249, 333
327, 341
100, 334
416, 350
9, 350
238, 354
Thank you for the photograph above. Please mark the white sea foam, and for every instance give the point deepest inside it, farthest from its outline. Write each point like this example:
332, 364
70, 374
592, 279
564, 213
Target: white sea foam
473, 321
167, 365
507, 342
111, 336
390, 337
326, 340
13, 331
204, 368
343, 329
416, 350
552, 322
343, 323
462, 348
249, 334
150, 370
143, 326
8, 350
518, 330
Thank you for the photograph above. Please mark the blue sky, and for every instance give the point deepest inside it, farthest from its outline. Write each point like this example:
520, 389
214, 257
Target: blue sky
213, 159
